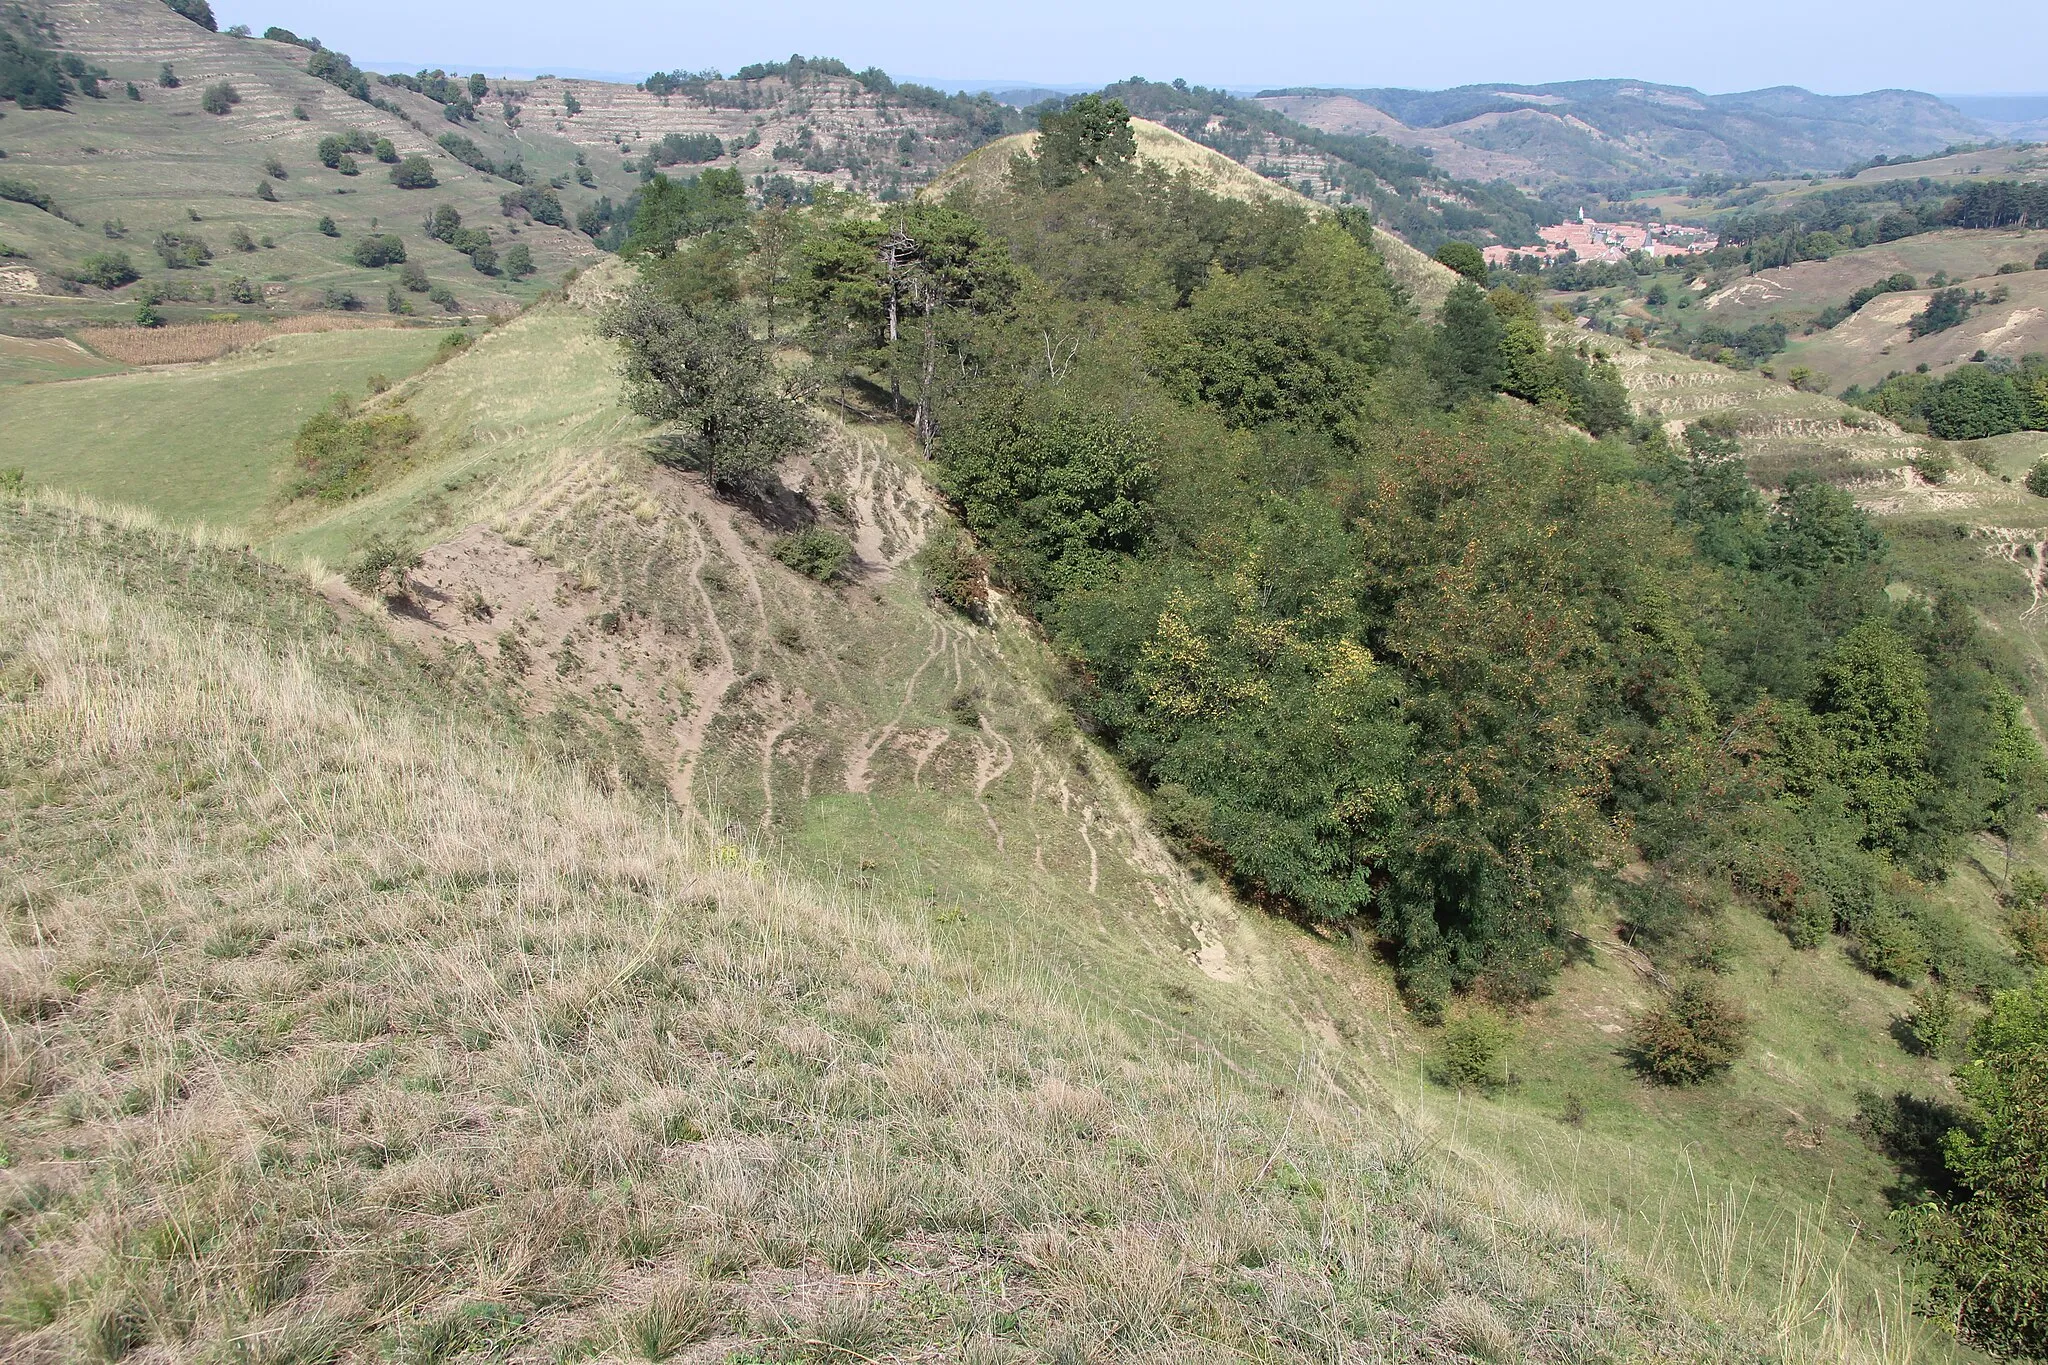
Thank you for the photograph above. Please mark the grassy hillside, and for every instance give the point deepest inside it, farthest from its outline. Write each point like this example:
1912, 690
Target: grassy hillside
490, 1059
885, 779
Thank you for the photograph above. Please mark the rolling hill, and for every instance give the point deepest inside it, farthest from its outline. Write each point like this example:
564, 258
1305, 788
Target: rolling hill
1617, 132
600, 939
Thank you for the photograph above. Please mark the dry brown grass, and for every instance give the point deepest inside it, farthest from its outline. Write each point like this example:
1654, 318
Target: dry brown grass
339, 1021
192, 341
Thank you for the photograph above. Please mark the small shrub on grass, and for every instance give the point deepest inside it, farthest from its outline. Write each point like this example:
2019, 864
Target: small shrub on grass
240, 240
518, 261
1936, 1023
1694, 1034
414, 277
219, 98
326, 228
385, 152
442, 295
341, 300
396, 302
182, 250
816, 553
336, 451
382, 567
166, 77
414, 173
1472, 1052
379, 249
146, 314
107, 269
239, 290
12, 482
452, 344
274, 168
265, 193
955, 572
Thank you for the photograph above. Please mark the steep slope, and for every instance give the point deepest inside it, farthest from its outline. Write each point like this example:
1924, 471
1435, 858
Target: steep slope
488, 1058
597, 647
984, 169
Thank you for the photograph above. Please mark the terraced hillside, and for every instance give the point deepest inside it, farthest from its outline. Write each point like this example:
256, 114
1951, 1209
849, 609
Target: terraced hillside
810, 126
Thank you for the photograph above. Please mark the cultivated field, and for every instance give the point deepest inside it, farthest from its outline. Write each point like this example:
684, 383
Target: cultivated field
204, 443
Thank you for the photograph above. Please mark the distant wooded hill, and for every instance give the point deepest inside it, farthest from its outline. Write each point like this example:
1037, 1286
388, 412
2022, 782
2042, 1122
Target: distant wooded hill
1623, 131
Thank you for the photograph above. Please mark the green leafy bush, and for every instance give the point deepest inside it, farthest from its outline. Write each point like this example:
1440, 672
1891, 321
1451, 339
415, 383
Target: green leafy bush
816, 553
198, 11
1693, 1034
414, 173
467, 152
107, 269
22, 192
518, 262
326, 228
336, 452
955, 572
381, 567
1472, 1052
379, 249
219, 97
1464, 258
1985, 1248
182, 251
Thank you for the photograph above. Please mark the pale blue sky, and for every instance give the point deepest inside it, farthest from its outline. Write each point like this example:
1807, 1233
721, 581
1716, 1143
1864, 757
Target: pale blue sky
1834, 46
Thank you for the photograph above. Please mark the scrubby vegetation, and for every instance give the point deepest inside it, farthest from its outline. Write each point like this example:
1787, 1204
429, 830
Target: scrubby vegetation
337, 450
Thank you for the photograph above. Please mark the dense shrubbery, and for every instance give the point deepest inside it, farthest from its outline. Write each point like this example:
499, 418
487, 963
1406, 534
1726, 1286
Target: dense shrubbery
379, 249
29, 75
107, 269
467, 152
1382, 653
414, 173
1986, 1248
1833, 316
686, 149
198, 11
337, 70
181, 250
816, 553
1969, 403
336, 451
1691, 1035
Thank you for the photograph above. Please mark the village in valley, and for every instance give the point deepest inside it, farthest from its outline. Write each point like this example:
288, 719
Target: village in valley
1587, 239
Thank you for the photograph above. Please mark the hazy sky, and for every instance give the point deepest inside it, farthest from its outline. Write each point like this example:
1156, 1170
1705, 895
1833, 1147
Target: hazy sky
1834, 46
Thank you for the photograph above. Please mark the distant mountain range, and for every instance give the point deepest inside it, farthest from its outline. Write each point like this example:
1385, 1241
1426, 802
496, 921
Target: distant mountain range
1622, 131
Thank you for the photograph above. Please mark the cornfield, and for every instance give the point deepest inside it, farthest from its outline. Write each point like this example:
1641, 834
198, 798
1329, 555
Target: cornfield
187, 342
